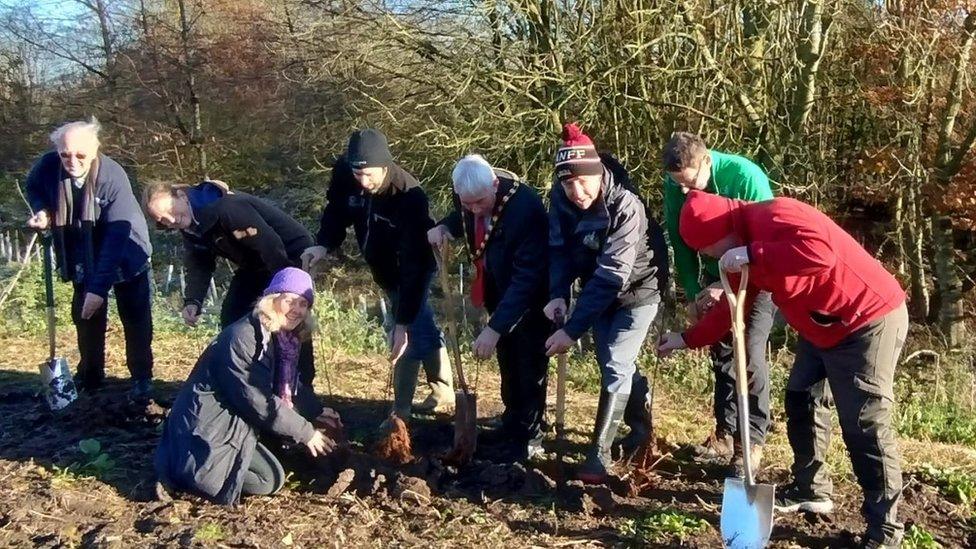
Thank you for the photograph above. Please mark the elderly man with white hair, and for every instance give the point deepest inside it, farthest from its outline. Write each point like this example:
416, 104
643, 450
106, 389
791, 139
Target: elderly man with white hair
505, 227
101, 242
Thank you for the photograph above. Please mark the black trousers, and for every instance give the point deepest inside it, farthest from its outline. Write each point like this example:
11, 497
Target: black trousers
523, 365
244, 291
133, 299
759, 322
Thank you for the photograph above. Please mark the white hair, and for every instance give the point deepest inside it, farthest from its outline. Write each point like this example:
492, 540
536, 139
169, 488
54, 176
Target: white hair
91, 126
473, 176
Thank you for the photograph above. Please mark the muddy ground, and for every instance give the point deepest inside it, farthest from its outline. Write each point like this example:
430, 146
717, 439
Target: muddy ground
52, 495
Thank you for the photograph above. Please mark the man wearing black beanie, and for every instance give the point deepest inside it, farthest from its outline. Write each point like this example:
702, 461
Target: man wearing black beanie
389, 213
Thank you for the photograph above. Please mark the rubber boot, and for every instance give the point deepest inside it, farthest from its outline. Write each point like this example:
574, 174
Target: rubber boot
437, 367
404, 386
637, 416
608, 415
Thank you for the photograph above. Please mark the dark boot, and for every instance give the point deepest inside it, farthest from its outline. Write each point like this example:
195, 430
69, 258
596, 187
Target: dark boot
637, 416
404, 386
141, 390
503, 434
608, 415
87, 383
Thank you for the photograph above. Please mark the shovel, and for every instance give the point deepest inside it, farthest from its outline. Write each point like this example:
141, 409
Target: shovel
561, 364
466, 403
395, 444
59, 389
747, 507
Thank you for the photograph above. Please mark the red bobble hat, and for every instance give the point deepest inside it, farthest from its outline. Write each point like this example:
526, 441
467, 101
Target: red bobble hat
577, 155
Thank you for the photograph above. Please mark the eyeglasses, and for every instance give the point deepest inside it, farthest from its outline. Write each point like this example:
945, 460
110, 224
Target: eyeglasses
77, 156
676, 177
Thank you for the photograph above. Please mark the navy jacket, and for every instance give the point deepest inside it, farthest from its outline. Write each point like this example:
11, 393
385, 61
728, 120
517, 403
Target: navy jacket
615, 248
391, 230
121, 236
251, 232
222, 408
516, 256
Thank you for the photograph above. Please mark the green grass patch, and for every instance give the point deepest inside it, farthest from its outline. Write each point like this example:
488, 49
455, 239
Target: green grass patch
662, 526
349, 329
582, 372
920, 418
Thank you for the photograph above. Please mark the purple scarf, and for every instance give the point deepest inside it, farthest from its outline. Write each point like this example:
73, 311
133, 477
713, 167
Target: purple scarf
286, 377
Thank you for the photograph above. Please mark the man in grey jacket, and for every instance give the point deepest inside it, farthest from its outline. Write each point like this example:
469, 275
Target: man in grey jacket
600, 233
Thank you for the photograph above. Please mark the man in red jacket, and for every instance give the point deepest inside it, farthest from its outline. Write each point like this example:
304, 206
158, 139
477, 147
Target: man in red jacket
851, 317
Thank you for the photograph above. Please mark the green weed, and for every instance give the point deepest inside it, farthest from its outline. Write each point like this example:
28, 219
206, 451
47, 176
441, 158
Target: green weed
292, 483
62, 477
917, 537
959, 486
922, 419
664, 525
209, 532
583, 372
93, 464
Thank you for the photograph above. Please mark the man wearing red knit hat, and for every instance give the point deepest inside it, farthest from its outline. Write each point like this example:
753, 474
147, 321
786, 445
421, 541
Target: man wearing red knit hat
851, 317
600, 233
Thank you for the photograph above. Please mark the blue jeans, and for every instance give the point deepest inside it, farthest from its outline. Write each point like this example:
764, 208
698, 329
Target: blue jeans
618, 335
423, 335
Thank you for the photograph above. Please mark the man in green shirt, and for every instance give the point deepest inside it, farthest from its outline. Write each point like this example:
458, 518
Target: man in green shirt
689, 165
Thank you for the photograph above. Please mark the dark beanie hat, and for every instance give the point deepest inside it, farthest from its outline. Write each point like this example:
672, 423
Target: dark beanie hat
577, 155
368, 149
705, 219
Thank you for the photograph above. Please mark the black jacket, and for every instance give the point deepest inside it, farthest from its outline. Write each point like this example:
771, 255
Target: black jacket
120, 235
228, 400
516, 256
391, 229
615, 248
251, 232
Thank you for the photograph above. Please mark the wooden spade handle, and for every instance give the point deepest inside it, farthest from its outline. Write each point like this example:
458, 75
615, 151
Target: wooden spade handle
737, 305
561, 366
450, 327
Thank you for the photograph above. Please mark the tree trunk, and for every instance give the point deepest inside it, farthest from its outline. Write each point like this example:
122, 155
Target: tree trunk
918, 289
948, 160
947, 282
189, 61
101, 10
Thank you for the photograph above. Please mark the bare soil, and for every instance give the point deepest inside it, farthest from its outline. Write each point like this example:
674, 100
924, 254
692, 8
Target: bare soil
355, 499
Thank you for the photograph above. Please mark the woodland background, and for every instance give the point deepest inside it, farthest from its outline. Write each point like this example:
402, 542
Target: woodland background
863, 108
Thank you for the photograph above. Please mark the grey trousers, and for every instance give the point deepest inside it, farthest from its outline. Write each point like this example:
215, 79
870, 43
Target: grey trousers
264, 475
859, 373
618, 335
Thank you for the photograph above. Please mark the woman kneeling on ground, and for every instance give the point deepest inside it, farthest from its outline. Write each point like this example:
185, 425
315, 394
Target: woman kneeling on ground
246, 386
